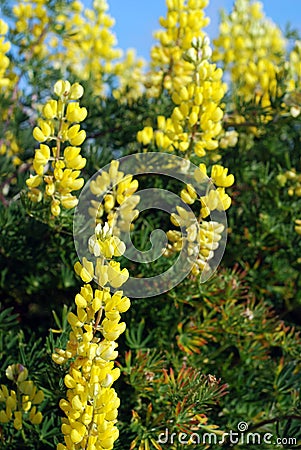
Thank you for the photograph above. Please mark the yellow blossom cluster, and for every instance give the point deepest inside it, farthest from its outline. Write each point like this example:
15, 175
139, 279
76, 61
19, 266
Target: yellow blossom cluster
293, 96
195, 126
119, 202
196, 120
89, 46
79, 40
293, 181
130, 75
250, 47
215, 198
292, 101
10, 147
91, 405
200, 241
20, 403
87, 43
8, 142
57, 168
4, 60
184, 20
201, 238
33, 23
295, 66
104, 243
228, 139
298, 226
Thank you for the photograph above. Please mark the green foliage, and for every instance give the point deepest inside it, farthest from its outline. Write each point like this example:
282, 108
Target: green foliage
202, 357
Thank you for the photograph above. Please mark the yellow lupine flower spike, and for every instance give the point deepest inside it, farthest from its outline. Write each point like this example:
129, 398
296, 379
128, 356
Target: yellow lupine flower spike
18, 403
196, 121
58, 163
250, 46
91, 404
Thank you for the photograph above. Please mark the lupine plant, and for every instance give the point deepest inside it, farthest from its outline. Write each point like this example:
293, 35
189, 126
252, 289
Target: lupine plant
82, 365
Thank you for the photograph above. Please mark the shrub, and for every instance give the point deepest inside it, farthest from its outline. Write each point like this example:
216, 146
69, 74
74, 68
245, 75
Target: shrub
98, 150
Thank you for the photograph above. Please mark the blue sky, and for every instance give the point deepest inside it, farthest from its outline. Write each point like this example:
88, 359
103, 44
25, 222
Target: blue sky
137, 19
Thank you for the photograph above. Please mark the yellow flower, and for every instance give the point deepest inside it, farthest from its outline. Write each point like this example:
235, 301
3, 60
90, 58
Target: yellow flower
55, 207
85, 271
104, 243
75, 113
183, 21
62, 88
42, 155
196, 120
116, 276
250, 47
19, 402
76, 91
16, 372
4, 417
126, 188
200, 174
145, 136
18, 420
35, 417
298, 226
112, 329
224, 201
61, 177
69, 181
189, 194
50, 109
3, 27
34, 181
118, 302
100, 184
220, 177
43, 132
101, 273
75, 135
184, 218
69, 201
73, 159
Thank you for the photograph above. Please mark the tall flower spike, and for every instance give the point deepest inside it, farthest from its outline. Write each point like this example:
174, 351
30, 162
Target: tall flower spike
119, 202
250, 47
130, 78
184, 20
88, 43
21, 403
4, 48
8, 142
295, 67
91, 404
195, 126
196, 120
200, 240
32, 22
57, 162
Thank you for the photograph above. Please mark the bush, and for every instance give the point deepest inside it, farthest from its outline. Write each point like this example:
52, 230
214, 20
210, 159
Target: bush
98, 150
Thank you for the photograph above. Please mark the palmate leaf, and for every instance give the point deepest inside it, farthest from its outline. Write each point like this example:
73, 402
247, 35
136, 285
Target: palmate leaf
135, 337
191, 383
192, 336
143, 368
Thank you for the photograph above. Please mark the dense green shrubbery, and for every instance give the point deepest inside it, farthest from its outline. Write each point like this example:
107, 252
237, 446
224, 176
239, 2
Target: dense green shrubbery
202, 357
